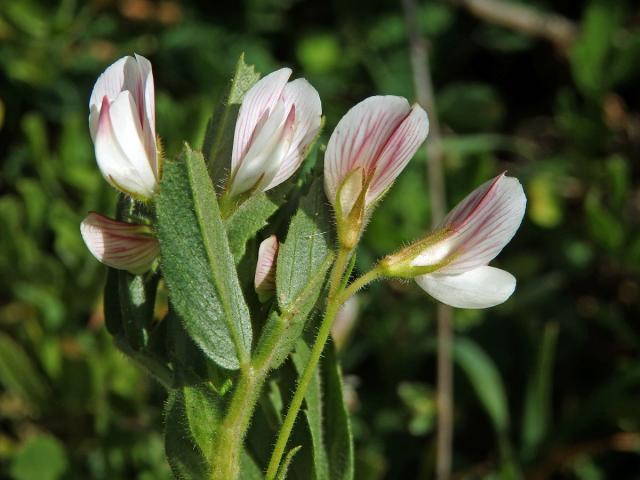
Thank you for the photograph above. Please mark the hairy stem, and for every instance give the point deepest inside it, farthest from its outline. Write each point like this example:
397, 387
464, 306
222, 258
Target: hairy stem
225, 456
359, 283
333, 305
227, 448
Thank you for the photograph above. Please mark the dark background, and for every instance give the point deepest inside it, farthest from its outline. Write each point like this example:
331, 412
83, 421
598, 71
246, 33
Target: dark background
546, 385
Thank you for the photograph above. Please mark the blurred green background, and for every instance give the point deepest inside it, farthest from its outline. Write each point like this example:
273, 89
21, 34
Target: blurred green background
546, 385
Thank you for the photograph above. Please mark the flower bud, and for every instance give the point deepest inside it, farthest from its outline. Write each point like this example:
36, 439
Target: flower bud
121, 245
265, 278
368, 149
451, 263
276, 124
122, 125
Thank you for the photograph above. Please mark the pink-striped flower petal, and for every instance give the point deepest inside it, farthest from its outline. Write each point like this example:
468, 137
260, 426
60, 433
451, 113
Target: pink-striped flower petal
127, 89
301, 96
482, 287
263, 159
379, 135
265, 278
256, 106
478, 228
120, 153
120, 245
276, 124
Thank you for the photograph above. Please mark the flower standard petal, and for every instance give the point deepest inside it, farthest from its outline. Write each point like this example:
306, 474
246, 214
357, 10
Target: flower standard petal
399, 149
483, 223
271, 141
148, 110
119, 150
360, 137
265, 280
109, 84
301, 95
126, 146
482, 287
113, 162
120, 245
258, 101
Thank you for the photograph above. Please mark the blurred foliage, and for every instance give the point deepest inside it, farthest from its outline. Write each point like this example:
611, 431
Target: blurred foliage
546, 385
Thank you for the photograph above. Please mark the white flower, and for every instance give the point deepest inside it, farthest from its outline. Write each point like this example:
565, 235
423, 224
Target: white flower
470, 237
125, 246
276, 124
369, 148
122, 125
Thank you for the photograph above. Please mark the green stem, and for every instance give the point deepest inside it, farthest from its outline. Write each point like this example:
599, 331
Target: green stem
225, 456
333, 305
359, 283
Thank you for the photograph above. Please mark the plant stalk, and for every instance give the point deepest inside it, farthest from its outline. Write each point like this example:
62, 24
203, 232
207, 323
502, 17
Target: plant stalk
334, 303
225, 456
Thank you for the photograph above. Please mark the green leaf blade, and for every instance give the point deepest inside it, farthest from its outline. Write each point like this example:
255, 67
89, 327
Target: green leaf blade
192, 417
485, 379
248, 219
306, 247
537, 405
197, 263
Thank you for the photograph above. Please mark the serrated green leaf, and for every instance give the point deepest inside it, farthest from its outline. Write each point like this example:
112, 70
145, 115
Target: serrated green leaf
338, 438
18, 374
192, 417
197, 262
485, 379
218, 141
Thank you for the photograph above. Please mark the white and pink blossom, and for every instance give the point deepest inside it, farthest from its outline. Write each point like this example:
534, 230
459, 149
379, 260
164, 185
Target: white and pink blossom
470, 236
121, 245
369, 148
277, 122
122, 125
